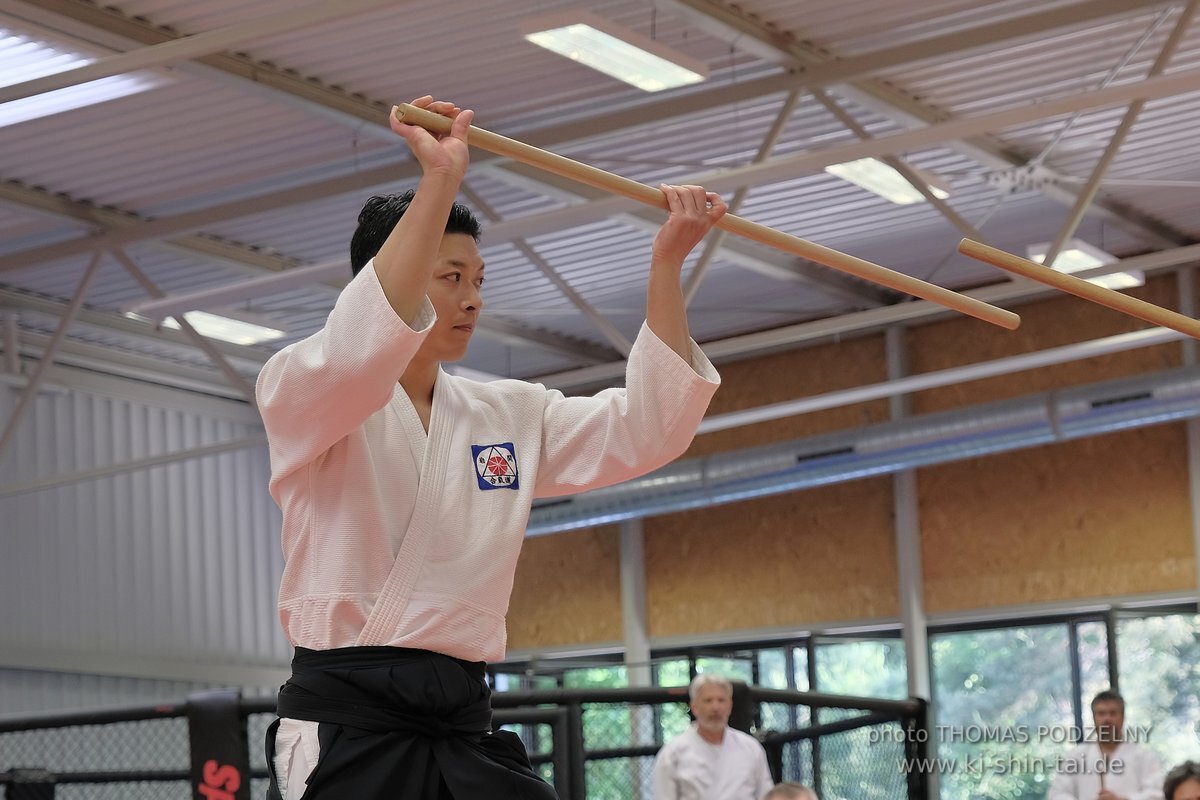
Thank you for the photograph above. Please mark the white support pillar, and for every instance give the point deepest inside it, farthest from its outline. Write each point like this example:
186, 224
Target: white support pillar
908, 538
637, 643
914, 625
633, 603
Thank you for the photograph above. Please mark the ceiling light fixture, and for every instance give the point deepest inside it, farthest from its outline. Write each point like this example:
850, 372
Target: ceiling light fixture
876, 176
237, 327
1077, 256
614, 50
24, 57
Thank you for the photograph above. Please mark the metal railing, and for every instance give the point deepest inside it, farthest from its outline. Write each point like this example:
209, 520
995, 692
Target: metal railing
591, 744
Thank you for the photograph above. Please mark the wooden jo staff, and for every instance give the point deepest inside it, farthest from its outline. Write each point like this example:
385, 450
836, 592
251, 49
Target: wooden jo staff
1080, 288
583, 173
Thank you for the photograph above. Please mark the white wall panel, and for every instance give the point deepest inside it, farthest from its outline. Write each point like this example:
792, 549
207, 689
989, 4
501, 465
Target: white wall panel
28, 692
166, 572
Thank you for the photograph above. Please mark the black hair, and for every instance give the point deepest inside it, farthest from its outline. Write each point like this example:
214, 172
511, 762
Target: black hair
1188, 770
381, 213
1108, 696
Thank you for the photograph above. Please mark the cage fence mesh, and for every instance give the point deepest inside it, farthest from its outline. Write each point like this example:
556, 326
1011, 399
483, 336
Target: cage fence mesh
139, 790
153, 744
866, 763
256, 735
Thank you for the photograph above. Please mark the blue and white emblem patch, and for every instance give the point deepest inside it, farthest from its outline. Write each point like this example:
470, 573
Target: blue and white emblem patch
496, 465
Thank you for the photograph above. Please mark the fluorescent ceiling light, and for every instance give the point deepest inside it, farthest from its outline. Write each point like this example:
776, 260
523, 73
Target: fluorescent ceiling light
616, 51
1077, 256
876, 176
23, 58
237, 327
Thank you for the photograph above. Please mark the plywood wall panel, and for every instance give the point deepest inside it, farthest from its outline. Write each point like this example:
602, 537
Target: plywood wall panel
791, 559
1059, 321
788, 376
1092, 518
567, 590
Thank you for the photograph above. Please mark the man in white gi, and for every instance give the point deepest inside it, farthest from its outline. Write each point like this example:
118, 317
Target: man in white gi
710, 760
405, 491
1105, 767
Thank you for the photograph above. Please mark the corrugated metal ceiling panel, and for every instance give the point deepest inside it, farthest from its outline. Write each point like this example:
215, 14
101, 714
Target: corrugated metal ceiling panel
197, 143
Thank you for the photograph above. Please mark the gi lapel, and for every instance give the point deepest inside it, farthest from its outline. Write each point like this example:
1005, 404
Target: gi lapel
389, 608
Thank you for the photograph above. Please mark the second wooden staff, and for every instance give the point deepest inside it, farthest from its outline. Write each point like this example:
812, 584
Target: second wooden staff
583, 173
1080, 288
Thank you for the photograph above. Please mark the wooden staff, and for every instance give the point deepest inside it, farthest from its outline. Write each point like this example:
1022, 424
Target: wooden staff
583, 173
1080, 288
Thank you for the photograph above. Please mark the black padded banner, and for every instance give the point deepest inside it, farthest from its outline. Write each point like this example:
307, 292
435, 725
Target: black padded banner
220, 756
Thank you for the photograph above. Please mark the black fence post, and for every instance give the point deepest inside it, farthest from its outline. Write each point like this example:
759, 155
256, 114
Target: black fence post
916, 750
577, 757
775, 760
560, 755
219, 752
742, 717
30, 784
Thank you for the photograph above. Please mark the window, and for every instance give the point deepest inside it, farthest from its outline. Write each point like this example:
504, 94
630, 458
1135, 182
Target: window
1158, 659
863, 668
1002, 710
849, 763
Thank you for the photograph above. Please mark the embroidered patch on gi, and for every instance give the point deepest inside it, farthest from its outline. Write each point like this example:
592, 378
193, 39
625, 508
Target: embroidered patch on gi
496, 465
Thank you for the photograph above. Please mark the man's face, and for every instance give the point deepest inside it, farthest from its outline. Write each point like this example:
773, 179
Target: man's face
1109, 719
712, 706
1188, 790
454, 291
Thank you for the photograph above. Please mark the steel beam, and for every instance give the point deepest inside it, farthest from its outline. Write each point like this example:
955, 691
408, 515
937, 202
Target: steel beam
39, 372
1087, 194
189, 47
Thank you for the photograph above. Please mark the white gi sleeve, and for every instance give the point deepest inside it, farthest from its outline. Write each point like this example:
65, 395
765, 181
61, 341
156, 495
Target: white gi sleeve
314, 392
1065, 783
1150, 775
618, 434
663, 785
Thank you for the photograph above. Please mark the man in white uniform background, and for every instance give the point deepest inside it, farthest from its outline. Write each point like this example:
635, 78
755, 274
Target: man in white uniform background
1107, 767
710, 760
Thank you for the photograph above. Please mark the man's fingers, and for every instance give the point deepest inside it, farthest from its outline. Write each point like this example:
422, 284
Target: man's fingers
462, 123
687, 199
443, 107
673, 200
694, 201
698, 196
716, 206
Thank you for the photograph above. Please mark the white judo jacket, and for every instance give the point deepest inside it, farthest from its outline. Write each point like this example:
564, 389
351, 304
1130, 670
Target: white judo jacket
395, 536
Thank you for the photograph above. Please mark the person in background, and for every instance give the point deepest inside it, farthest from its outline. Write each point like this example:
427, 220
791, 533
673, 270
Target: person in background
710, 760
1108, 767
1183, 782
